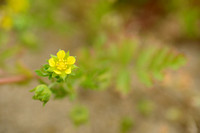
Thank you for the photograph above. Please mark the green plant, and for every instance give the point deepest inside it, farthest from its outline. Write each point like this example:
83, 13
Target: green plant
79, 115
58, 71
127, 125
108, 58
153, 61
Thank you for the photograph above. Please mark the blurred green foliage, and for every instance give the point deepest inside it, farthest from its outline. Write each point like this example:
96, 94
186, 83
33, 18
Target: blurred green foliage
188, 13
127, 125
79, 115
145, 107
152, 61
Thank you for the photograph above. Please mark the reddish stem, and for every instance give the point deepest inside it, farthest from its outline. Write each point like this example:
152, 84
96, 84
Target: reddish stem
17, 79
14, 79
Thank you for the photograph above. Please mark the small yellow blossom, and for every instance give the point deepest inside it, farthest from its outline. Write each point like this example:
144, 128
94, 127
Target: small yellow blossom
62, 63
6, 22
18, 6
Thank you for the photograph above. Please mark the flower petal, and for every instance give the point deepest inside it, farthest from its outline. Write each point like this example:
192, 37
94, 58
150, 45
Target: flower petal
68, 71
61, 54
57, 71
71, 60
52, 62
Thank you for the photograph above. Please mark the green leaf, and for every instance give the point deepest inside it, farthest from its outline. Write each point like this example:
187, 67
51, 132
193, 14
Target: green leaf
167, 60
178, 61
156, 63
145, 57
126, 51
41, 73
123, 81
53, 56
145, 78
33, 90
142, 65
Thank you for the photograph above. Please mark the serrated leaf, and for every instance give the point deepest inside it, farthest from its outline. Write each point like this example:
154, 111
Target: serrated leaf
123, 82
145, 57
53, 56
178, 61
145, 78
126, 51
156, 63
167, 61
40, 73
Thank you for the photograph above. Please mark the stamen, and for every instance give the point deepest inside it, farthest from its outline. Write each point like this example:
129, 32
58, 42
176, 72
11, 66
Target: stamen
61, 64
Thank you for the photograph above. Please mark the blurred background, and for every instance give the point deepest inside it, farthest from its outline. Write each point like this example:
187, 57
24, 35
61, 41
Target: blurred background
138, 65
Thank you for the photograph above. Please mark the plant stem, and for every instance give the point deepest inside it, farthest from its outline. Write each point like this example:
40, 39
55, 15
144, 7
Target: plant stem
52, 84
16, 79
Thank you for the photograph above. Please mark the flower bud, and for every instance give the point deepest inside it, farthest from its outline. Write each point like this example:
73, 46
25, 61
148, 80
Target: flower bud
42, 93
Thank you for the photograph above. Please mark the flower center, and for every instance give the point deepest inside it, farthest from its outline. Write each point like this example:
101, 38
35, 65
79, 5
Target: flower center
61, 65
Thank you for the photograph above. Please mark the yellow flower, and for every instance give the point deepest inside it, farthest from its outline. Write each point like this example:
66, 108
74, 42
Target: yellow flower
62, 63
18, 6
6, 22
